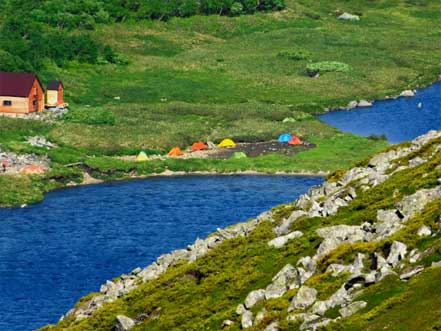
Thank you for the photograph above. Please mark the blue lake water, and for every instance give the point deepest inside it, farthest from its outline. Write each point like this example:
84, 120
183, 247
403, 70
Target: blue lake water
54, 252
399, 119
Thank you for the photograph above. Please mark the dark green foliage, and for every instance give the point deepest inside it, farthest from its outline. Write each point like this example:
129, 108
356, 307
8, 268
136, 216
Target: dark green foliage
313, 69
295, 55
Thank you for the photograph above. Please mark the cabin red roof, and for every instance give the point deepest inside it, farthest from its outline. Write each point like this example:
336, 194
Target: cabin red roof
53, 85
16, 84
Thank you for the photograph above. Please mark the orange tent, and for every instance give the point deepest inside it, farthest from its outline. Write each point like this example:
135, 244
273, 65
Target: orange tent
295, 141
175, 151
32, 169
199, 146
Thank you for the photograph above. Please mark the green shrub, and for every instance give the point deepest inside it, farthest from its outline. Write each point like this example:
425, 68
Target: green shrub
313, 69
236, 9
296, 55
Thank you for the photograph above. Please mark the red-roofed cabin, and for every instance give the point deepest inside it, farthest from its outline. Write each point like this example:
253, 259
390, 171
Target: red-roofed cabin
20, 93
55, 90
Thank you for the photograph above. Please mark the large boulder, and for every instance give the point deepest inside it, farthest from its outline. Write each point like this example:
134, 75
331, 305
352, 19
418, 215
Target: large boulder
287, 278
407, 93
388, 222
352, 308
247, 319
284, 227
337, 235
282, 240
124, 323
364, 103
305, 297
424, 231
349, 17
397, 253
409, 273
254, 297
410, 205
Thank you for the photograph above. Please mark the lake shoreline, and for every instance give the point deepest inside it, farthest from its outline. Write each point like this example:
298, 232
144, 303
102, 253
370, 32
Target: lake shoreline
348, 107
89, 180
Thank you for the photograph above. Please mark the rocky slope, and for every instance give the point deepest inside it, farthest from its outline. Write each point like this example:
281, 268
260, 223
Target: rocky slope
346, 255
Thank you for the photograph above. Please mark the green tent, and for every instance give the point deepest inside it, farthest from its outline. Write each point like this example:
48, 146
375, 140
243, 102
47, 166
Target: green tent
239, 155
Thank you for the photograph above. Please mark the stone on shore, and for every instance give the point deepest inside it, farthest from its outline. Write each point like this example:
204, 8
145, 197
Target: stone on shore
124, 323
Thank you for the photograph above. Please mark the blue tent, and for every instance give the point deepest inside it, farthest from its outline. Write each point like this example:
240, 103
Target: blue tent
284, 138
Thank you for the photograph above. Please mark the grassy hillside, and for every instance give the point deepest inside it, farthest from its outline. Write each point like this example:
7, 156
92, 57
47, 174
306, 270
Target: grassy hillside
210, 77
200, 295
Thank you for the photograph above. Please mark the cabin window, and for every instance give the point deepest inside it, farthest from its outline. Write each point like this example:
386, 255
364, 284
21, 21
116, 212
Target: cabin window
7, 103
35, 102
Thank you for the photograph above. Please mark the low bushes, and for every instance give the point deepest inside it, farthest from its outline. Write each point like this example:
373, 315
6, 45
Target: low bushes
295, 55
313, 69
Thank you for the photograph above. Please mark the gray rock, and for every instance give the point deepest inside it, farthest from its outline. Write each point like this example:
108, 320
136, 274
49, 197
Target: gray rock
273, 326
407, 93
227, 323
352, 193
124, 323
136, 271
308, 263
351, 105
424, 231
414, 256
349, 17
305, 297
352, 308
337, 235
319, 308
364, 103
287, 278
260, 316
247, 319
254, 297
397, 253
411, 272
384, 272
303, 202
370, 278
358, 264
388, 222
411, 205
337, 269
283, 228
416, 162
282, 240
436, 264
340, 297
240, 309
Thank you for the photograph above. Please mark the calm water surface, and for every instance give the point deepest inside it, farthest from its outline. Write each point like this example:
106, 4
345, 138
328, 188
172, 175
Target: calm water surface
398, 119
54, 252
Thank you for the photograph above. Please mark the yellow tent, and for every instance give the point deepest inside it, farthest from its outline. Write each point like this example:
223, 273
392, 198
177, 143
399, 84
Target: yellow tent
142, 157
227, 143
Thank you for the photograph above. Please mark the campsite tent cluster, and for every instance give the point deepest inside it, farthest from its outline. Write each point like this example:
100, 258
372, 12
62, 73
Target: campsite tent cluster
289, 139
197, 146
225, 143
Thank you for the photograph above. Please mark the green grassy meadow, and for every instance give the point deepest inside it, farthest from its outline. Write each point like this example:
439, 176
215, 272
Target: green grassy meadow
211, 77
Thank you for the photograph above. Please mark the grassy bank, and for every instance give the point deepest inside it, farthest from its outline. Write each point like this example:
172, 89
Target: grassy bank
211, 77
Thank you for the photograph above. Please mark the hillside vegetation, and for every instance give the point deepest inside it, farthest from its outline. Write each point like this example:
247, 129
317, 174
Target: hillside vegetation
154, 83
370, 239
